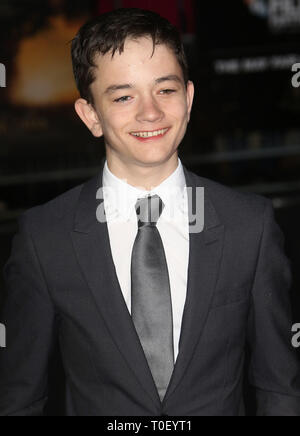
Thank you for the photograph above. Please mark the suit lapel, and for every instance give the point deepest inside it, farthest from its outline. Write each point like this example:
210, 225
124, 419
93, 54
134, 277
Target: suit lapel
92, 246
203, 270
91, 243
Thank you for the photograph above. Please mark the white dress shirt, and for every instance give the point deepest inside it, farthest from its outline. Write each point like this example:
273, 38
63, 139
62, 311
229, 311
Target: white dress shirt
119, 204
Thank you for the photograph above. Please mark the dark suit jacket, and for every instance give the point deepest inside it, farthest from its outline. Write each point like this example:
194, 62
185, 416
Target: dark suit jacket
61, 280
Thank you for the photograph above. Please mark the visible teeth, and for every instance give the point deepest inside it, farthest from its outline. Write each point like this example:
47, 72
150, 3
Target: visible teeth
150, 134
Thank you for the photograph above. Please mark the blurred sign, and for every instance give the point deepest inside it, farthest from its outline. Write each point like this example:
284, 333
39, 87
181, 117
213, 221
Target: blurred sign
249, 62
258, 64
282, 15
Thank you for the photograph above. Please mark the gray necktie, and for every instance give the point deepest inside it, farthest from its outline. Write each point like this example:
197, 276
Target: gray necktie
151, 305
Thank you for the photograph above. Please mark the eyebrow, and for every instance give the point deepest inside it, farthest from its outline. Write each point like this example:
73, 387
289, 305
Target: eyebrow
171, 77
114, 88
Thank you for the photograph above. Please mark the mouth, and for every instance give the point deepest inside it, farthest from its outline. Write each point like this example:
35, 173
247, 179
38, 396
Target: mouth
152, 135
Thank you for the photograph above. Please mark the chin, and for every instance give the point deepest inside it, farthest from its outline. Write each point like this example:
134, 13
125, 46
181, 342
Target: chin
152, 161
155, 158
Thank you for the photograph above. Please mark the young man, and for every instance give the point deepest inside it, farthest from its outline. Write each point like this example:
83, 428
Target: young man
153, 314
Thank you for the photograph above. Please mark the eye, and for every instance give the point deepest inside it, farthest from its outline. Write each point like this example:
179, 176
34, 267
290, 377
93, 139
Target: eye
122, 99
168, 91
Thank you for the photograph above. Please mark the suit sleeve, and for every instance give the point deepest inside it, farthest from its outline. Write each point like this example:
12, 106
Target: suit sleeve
274, 366
28, 316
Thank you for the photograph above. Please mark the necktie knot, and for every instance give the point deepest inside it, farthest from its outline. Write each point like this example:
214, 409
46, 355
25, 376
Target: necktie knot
149, 210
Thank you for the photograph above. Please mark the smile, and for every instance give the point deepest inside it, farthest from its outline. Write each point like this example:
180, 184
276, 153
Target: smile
152, 134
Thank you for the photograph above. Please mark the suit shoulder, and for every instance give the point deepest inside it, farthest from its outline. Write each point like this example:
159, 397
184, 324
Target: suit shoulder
232, 200
53, 210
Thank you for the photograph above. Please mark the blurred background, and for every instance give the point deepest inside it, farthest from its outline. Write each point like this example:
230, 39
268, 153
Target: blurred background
244, 131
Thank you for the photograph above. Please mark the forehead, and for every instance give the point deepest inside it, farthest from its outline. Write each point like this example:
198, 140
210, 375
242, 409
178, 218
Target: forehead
138, 58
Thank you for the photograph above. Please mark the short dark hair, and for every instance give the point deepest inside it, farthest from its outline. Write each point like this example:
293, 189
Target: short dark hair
108, 33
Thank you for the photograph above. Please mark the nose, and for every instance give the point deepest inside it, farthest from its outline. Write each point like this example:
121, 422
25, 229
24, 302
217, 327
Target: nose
149, 110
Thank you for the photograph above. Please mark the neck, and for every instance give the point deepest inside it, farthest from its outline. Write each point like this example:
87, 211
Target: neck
143, 177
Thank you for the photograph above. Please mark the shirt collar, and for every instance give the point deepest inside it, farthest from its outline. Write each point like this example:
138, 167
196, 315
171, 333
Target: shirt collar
120, 197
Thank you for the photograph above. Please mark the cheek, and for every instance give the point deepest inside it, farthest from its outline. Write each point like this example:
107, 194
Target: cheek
179, 111
113, 124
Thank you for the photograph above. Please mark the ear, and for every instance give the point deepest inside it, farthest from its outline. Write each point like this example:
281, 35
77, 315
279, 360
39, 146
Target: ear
89, 116
190, 97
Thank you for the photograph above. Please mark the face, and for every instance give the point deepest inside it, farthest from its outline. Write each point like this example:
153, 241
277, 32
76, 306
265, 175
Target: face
141, 104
